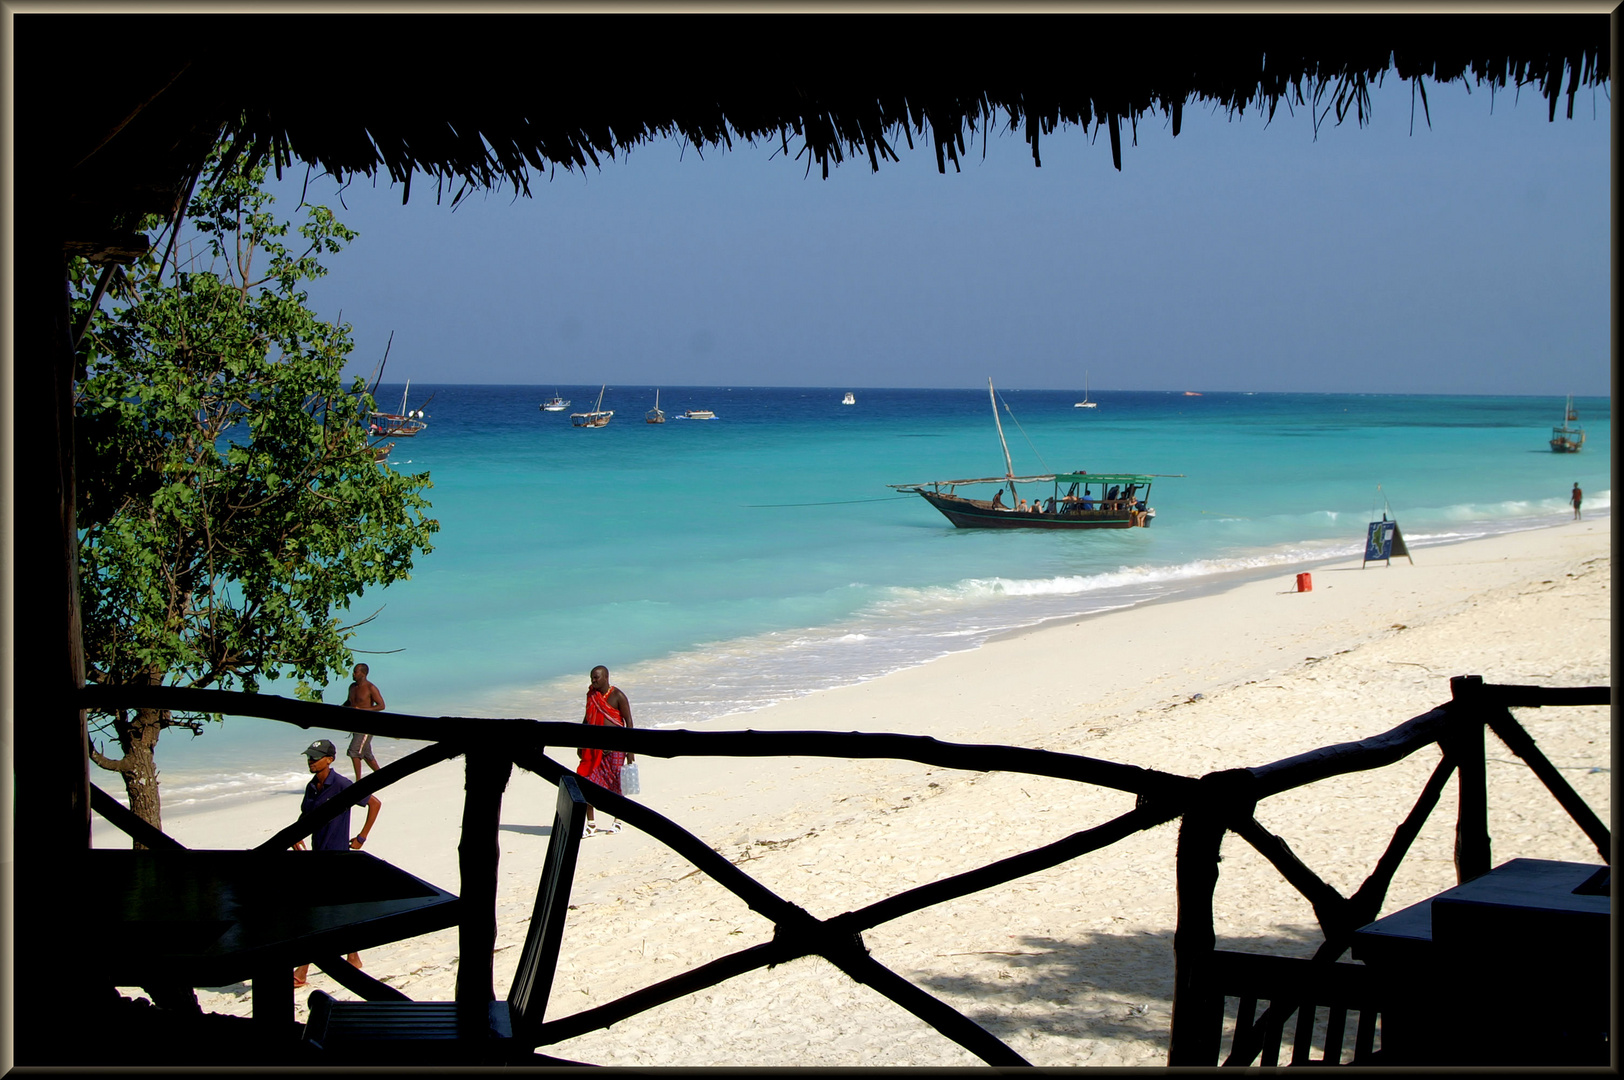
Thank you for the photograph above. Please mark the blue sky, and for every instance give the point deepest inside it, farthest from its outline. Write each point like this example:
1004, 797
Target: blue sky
1468, 257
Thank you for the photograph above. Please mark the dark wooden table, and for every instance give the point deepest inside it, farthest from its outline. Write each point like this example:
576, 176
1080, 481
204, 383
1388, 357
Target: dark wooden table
1509, 968
213, 918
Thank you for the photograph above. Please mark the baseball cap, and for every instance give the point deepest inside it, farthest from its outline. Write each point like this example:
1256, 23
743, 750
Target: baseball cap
321, 748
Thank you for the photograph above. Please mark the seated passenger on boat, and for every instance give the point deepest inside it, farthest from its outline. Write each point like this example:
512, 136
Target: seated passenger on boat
998, 500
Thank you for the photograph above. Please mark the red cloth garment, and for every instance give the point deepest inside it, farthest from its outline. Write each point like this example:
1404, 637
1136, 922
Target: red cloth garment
602, 767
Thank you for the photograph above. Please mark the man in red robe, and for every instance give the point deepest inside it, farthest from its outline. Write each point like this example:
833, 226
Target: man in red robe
605, 704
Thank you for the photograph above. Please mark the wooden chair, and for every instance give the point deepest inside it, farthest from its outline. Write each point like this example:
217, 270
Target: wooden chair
433, 1032
1291, 987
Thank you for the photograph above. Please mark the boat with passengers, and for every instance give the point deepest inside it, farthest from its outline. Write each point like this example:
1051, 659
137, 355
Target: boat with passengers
1121, 502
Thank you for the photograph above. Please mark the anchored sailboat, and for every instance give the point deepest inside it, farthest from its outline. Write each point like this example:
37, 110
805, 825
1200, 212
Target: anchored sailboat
597, 417
1085, 403
1121, 503
403, 424
1569, 438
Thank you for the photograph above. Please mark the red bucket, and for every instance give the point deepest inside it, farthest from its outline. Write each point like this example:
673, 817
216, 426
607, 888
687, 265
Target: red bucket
1305, 582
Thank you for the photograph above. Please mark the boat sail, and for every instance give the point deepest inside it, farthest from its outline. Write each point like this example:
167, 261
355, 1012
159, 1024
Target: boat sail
403, 424
597, 417
1122, 502
1569, 438
1085, 403
654, 415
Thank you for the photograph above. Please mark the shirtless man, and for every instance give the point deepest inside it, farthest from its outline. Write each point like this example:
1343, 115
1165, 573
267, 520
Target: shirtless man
363, 695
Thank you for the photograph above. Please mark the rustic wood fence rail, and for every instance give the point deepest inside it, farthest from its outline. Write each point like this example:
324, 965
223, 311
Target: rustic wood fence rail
1209, 806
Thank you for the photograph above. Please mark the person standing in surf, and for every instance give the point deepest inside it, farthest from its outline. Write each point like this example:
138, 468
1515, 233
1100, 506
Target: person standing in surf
605, 705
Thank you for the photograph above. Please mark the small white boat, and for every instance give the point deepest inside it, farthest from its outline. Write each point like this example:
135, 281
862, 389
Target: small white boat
1085, 403
557, 404
849, 399
697, 414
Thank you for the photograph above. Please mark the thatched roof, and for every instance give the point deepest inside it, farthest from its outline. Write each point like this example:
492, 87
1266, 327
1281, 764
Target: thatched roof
125, 107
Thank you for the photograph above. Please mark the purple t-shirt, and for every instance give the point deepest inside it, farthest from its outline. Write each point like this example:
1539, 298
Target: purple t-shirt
333, 834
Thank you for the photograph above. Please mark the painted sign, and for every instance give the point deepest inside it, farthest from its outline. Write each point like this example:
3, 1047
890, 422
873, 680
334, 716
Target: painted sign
1383, 541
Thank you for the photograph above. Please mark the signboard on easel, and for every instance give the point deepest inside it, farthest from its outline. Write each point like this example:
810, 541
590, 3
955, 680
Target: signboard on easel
1383, 541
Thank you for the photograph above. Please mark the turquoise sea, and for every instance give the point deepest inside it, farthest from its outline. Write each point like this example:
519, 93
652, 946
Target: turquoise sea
719, 566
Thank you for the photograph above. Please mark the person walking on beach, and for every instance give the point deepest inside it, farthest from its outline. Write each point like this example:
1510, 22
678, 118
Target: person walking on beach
605, 705
334, 833
1578, 497
363, 695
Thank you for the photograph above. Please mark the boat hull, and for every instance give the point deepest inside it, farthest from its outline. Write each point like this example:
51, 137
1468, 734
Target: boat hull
394, 426
979, 514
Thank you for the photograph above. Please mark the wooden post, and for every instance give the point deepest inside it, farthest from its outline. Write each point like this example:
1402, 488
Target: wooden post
478, 854
1198, 1009
51, 828
1467, 715
1197, 1019
1197, 1012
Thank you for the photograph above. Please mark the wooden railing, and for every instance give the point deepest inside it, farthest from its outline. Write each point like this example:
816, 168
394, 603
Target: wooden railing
1209, 807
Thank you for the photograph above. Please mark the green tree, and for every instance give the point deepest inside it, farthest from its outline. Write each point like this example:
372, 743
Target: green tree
229, 500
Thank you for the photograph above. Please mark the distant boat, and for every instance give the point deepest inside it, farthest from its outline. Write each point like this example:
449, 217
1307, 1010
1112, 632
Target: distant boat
849, 399
597, 417
1085, 403
380, 454
1192, 393
556, 404
654, 415
697, 414
403, 424
1121, 503
1568, 438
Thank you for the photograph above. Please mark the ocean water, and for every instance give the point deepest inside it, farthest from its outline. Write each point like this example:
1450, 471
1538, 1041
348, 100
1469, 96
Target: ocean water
719, 566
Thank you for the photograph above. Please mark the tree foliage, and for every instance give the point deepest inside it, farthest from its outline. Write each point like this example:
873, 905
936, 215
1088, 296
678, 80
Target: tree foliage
228, 499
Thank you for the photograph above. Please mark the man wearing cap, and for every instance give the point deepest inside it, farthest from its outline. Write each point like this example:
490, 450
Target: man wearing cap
334, 833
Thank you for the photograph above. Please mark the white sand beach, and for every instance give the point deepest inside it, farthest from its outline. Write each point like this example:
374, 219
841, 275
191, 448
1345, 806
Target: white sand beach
1073, 966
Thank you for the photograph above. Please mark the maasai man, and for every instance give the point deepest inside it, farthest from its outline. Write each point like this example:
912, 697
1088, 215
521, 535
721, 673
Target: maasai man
605, 704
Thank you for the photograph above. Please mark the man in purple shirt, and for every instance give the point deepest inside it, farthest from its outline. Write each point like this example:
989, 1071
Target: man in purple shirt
334, 833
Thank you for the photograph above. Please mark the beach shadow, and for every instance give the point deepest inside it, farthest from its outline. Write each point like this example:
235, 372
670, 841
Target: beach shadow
528, 830
236, 989
1137, 995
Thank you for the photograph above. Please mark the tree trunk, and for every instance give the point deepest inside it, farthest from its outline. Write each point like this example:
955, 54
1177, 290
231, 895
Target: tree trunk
140, 768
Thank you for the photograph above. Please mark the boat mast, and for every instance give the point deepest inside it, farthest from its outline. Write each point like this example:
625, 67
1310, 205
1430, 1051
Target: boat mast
408, 390
599, 406
1009, 467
